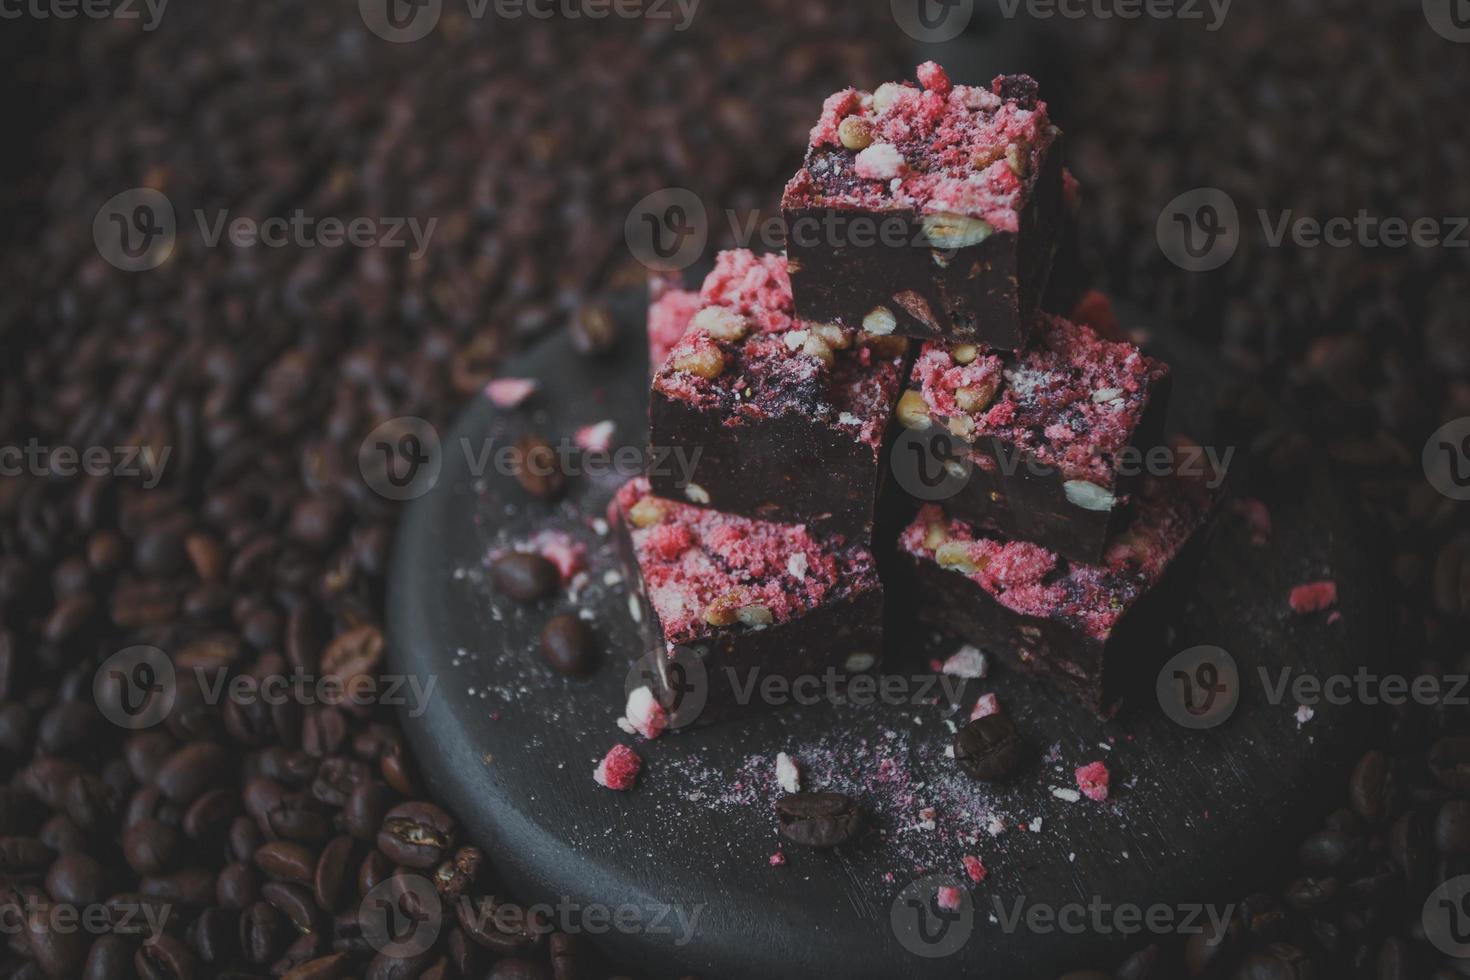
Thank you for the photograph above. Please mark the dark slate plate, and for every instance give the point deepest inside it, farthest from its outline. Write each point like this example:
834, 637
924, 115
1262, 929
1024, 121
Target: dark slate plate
1195, 817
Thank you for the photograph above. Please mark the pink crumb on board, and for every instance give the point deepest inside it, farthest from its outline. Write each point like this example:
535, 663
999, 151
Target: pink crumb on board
618, 769
1313, 597
949, 897
568, 555
1092, 780
974, 868
595, 438
778, 859
644, 714
988, 705
510, 392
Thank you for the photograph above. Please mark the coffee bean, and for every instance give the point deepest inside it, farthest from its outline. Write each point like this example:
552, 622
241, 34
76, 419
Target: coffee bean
336, 780
365, 809
236, 886
333, 966
354, 657
566, 643
818, 819
1306, 894
68, 726
263, 933
1211, 947
111, 956
146, 753
293, 901
89, 801
374, 870
594, 330
77, 879
150, 846
519, 969
214, 935
193, 769
398, 771
300, 821
1452, 828
1449, 760
19, 855
194, 887
385, 967
537, 467
72, 616
59, 950
454, 877
486, 924
332, 869
470, 959
286, 861
1328, 851
525, 577
209, 817
989, 747
416, 835
62, 835
1146, 964
1278, 961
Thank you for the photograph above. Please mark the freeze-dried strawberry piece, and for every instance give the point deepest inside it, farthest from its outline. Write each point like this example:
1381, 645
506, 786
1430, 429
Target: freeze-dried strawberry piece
974, 868
1313, 597
618, 769
1092, 780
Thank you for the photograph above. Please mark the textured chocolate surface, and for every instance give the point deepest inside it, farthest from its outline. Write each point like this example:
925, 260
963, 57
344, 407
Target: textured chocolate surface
1055, 438
932, 211
780, 419
744, 599
1092, 626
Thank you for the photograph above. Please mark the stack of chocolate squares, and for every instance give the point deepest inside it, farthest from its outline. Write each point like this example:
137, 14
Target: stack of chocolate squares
922, 229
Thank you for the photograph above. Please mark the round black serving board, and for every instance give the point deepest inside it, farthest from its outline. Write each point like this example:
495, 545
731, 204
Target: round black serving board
1195, 816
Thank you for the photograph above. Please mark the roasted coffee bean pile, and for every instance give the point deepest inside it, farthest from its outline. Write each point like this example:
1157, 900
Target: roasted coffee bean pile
262, 824
1313, 109
261, 552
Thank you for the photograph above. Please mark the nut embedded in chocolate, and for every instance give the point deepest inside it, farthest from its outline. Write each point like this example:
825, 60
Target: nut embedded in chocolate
818, 819
988, 747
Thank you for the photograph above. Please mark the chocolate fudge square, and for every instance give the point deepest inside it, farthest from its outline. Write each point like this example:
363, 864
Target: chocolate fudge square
1095, 629
932, 212
757, 413
736, 601
1055, 438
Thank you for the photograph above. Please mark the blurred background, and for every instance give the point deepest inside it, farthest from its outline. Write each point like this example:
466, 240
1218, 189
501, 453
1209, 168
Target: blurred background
529, 141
